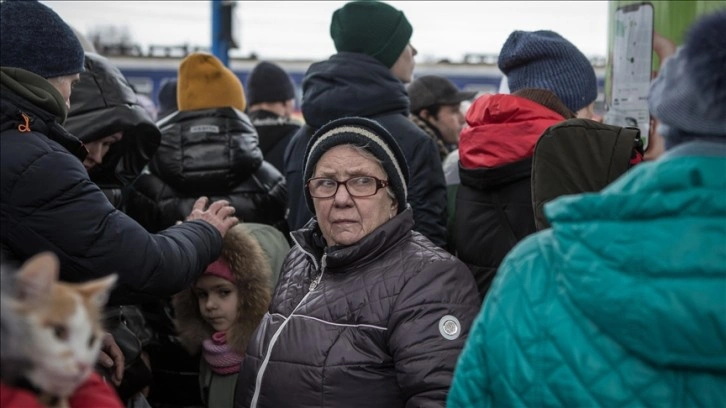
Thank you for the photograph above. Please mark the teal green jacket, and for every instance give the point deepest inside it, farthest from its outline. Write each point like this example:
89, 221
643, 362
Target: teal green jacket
622, 303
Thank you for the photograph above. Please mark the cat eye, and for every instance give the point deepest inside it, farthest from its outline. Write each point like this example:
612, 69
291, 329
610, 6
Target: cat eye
91, 340
60, 332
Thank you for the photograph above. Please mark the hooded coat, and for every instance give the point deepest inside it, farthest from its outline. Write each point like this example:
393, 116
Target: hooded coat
253, 274
355, 84
48, 203
494, 202
361, 325
208, 152
620, 303
102, 104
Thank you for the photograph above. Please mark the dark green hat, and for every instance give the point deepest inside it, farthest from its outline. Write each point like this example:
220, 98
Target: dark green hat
372, 28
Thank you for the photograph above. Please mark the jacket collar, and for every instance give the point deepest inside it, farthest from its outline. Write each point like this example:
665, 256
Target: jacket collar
368, 249
16, 111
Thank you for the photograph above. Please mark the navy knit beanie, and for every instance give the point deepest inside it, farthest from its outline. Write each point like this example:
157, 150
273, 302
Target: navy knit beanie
365, 133
34, 38
269, 83
373, 28
689, 95
544, 59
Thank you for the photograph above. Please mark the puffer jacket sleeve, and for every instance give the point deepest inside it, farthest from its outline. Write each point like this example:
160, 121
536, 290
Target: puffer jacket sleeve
424, 359
55, 206
492, 343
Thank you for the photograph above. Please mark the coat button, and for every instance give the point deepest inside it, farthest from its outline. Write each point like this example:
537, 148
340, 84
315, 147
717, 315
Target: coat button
449, 327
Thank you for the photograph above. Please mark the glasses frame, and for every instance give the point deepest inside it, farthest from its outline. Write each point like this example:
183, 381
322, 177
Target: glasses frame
379, 185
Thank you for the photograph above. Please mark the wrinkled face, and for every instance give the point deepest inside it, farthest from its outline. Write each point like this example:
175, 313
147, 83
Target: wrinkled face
344, 219
218, 300
403, 67
449, 121
64, 85
98, 149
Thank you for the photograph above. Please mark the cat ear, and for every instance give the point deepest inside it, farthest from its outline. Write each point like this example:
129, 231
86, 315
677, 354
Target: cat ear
37, 276
97, 290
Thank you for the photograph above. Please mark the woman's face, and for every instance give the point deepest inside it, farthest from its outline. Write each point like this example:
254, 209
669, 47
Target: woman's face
344, 219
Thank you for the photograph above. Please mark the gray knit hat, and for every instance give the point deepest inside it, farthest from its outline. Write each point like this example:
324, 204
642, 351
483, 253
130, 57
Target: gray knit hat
365, 133
544, 59
689, 95
34, 38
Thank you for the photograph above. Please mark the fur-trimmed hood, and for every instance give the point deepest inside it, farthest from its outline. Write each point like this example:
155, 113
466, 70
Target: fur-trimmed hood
253, 272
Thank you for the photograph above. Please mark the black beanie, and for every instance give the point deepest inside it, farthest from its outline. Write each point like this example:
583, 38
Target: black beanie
34, 38
269, 83
365, 133
373, 28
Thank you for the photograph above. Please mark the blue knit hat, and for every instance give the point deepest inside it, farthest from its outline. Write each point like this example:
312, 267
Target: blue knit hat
689, 95
371, 136
34, 38
373, 28
546, 60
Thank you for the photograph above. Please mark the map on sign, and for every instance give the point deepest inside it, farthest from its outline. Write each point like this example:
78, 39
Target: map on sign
631, 68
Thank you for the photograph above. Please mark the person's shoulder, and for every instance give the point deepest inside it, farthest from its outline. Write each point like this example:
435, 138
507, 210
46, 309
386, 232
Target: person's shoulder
532, 259
19, 148
403, 129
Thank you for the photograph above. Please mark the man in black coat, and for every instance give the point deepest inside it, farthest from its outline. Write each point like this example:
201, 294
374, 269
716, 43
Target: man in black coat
366, 78
49, 203
270, 104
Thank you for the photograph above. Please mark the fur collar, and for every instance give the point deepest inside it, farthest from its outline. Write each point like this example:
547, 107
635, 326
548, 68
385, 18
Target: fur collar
253, 273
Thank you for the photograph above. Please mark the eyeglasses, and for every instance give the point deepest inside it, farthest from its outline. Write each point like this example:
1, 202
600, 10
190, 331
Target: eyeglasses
363, 186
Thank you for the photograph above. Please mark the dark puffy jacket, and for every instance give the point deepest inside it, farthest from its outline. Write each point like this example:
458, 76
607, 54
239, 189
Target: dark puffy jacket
361, 325
494, 201
353, 84
48, 203
102, 104
275, 133
213, 153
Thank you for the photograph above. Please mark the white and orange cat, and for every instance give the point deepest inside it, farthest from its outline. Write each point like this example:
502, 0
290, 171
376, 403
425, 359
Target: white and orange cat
61, 325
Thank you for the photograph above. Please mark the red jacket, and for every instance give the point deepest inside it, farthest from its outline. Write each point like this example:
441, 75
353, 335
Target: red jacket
93, 393
502, 129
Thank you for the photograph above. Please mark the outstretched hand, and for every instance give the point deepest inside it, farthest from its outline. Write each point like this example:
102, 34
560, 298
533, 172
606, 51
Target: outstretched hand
112, 358
220, 214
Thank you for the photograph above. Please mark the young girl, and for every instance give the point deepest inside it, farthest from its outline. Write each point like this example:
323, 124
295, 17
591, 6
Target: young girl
221, 310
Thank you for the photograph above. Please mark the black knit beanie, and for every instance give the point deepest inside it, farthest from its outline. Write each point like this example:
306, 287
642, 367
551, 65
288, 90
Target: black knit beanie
34, 38
546, 60
268, 82
365, 133
373, 28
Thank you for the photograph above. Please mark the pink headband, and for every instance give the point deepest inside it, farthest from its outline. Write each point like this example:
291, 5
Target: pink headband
220, 269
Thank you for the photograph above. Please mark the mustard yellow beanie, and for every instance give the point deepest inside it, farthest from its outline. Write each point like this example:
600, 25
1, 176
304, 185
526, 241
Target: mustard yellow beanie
204, 83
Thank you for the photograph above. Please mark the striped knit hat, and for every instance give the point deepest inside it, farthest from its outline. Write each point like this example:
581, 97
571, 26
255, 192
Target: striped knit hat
546, 60
371, 136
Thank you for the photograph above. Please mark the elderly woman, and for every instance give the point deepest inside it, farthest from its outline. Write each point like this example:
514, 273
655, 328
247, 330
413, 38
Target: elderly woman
367, 311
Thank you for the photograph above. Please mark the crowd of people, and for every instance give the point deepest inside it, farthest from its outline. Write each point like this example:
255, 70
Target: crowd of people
408, 244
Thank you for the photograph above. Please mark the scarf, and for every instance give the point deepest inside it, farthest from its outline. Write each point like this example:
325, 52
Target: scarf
220, 356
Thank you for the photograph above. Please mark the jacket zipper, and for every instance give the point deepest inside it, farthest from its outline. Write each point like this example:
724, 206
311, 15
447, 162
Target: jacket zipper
314, 284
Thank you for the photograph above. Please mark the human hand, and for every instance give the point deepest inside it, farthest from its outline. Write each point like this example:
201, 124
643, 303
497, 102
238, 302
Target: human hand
219, 214
111, 356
